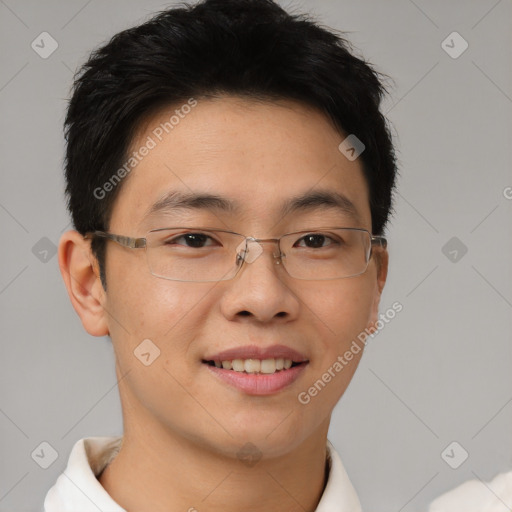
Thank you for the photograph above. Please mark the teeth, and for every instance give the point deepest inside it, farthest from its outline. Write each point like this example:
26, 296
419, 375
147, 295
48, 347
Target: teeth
252, 365
238, 365
267, 366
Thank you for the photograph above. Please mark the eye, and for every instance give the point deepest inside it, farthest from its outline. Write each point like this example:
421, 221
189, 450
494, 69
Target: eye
192, 240
315, 241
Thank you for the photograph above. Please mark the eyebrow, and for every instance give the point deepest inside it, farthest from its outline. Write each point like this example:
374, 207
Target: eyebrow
324, 199
190, 201
312, 200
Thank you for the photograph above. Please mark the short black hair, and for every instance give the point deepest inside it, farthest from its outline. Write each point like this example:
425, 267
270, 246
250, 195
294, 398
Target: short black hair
246, 48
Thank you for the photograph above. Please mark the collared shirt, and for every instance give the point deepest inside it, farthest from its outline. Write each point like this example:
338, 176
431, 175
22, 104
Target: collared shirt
78, 490
477, 496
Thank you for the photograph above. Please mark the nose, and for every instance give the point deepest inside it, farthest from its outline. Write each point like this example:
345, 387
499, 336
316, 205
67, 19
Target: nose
261, 290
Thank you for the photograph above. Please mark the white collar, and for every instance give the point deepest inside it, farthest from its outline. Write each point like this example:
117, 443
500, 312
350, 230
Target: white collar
477, 496
77, 488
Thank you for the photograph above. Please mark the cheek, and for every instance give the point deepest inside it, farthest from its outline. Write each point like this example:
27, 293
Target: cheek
141, 306
153, 324
343, 310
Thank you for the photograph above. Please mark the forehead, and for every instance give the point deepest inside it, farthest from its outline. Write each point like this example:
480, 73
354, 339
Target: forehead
258, 156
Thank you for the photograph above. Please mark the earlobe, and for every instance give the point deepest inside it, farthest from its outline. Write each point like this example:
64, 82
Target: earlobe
81, 277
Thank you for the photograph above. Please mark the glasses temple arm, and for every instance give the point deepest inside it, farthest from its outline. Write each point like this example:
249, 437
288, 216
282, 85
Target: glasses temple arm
126, 241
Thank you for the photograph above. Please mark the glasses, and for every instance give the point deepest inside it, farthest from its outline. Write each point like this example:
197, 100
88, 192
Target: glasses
211, 255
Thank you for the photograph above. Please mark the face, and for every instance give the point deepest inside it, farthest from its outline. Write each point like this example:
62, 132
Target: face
258, 156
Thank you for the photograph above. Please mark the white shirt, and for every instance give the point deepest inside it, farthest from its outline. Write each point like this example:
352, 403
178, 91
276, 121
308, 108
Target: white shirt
78, 490
477, 496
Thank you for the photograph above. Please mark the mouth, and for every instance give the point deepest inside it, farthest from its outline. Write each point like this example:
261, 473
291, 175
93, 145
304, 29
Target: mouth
257, 377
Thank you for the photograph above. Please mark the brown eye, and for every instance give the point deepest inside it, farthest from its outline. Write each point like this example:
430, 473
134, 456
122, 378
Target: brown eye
193, 240
314, 241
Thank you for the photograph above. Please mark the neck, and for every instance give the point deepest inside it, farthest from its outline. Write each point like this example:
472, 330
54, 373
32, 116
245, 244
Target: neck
158, 471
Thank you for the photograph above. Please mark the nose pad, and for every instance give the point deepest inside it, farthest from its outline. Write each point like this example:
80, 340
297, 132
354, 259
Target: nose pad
248, 250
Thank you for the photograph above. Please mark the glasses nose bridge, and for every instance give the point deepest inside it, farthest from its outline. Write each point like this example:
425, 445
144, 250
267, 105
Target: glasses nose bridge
275, 241
250, 256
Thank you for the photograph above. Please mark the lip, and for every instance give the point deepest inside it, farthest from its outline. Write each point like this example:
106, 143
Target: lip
257, 352
259, 384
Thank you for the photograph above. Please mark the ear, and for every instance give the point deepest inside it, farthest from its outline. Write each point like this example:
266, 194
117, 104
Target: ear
381, 258
80, 271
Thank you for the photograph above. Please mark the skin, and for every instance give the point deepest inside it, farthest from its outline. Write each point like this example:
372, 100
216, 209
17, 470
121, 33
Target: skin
182, 426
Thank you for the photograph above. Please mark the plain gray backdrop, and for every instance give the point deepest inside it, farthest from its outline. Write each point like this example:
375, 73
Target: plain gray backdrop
439, 373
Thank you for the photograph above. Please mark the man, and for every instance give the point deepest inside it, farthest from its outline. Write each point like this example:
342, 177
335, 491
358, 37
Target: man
230, 177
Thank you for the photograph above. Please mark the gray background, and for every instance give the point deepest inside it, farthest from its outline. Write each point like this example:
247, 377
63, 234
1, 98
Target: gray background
439, 372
